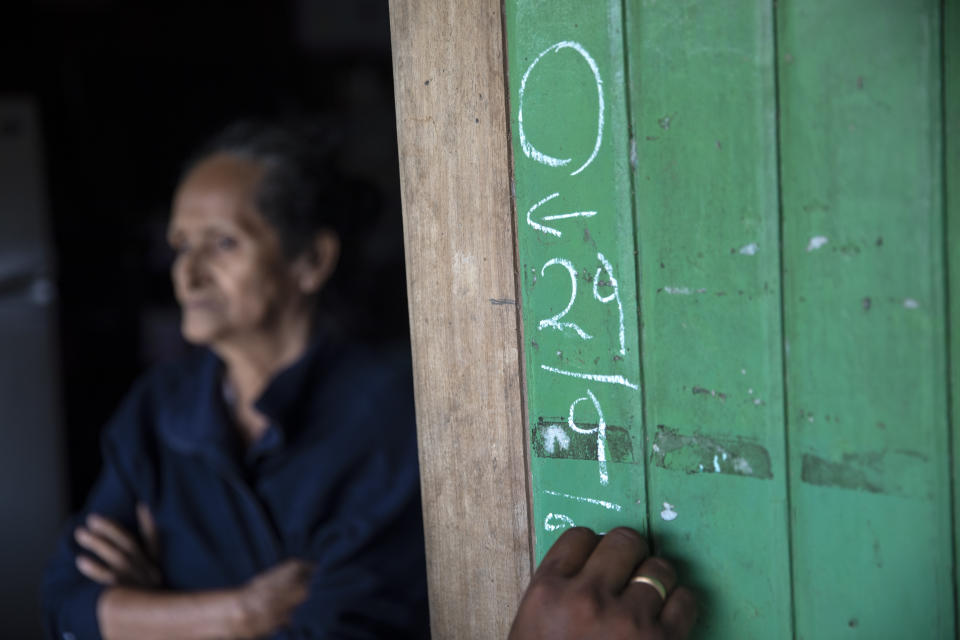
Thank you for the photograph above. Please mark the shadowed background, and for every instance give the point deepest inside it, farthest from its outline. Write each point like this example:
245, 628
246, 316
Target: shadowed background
117, 96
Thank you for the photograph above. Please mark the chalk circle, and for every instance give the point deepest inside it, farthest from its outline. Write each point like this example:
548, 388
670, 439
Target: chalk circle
532, 152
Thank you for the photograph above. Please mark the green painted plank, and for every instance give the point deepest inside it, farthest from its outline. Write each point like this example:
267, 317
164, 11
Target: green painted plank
576, 250
702, 89
861, 179
951, 86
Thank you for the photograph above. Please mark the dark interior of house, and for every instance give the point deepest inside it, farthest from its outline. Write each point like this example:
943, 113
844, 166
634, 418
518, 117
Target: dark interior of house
123, 93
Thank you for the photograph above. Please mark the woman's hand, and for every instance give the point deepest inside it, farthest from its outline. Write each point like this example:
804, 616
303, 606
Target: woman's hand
258, 608
585, 588
118, 559
268, 600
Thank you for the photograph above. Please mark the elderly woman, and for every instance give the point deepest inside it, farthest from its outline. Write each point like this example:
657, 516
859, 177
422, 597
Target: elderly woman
266, 485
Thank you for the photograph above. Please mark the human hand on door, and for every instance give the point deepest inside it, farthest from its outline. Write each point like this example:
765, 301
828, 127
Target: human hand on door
117, 557
590, 586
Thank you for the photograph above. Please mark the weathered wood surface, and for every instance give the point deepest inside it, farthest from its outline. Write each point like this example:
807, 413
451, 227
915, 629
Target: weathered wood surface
458, 231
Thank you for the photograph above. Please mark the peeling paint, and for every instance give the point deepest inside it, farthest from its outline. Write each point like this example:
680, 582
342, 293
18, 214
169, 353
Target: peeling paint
743, 467
816, 242
710, 392
548, 441
553, 437
870, 471
681, 291
847, 474
696, 453
668, 512
749, 249
910, 303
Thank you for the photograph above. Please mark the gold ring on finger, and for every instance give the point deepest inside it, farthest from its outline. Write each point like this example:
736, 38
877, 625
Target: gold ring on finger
653, 582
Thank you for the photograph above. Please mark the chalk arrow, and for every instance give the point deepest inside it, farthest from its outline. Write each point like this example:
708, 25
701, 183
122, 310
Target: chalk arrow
557, 216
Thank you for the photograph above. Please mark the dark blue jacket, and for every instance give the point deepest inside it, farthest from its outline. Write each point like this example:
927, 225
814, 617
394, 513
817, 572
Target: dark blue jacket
334, 480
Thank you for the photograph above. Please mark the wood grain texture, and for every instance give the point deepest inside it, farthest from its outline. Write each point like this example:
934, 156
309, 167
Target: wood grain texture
458, 232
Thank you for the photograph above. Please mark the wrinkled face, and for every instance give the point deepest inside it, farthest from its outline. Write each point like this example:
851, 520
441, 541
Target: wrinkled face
230, 276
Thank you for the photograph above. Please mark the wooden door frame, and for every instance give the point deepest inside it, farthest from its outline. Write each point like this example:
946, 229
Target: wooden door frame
466, 332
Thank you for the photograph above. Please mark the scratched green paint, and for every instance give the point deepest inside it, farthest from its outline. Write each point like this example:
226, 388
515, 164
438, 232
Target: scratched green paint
703, 100
951, 82
816, 504
560, 107
861, 134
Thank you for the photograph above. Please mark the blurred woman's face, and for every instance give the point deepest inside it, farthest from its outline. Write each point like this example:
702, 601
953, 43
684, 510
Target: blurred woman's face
230, 276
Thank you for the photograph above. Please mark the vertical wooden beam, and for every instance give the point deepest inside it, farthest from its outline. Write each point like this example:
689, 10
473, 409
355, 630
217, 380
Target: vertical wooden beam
861, 135
458, 232
578, 270
951, 140
708, 229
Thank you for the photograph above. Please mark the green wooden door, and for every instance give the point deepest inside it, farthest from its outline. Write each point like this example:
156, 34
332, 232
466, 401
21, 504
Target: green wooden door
731, 231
